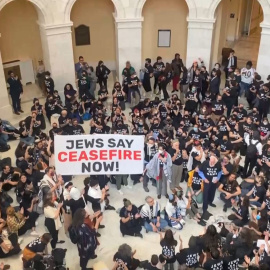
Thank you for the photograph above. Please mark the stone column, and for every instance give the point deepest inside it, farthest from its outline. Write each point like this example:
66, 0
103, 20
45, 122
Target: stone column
199, 42
58, 54
5, 107
264, 52
128, 43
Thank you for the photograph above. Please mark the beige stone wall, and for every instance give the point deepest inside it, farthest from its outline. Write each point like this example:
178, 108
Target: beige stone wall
160, 14
98, 15
20, 36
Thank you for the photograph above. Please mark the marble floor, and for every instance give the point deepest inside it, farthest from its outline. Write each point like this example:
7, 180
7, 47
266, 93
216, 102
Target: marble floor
111, 237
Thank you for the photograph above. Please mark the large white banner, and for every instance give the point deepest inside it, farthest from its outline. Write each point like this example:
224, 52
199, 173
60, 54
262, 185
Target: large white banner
98, 154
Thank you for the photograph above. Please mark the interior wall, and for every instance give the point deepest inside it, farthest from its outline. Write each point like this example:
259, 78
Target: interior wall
256, 17
232, 21
98, 15
164, 15
220, 32
20, 36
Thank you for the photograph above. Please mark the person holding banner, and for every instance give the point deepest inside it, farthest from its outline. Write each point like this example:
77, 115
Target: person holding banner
160, 168
121, 178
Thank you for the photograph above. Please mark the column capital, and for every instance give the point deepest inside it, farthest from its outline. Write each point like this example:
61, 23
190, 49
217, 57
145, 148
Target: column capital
56, 29
201, 23
128, 23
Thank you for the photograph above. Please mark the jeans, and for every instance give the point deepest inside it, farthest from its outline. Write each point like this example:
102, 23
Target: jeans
226, 201
244, 88
256, 203
148, 227
3, 139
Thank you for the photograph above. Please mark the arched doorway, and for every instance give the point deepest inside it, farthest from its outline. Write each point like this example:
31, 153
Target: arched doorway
164, 15
20, 44
98, 16
237, 26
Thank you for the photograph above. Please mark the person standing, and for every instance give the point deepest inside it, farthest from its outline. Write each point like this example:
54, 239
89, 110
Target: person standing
229, 96
177, 64
160, 168
177, 166
247, 76
102, 73
80, 66
15, 92
41, 75
148, 74
157, 70
210, 172
231, 64
85, 237
254, 150
214, 83
49, 83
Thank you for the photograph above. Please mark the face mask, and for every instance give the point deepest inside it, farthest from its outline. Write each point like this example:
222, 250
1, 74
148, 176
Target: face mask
140, 124
51, 174
216, 67
37, 103
254, 112
225, 140
195, 129
149, 145
193, 90
160, 151
265, 122
47, 77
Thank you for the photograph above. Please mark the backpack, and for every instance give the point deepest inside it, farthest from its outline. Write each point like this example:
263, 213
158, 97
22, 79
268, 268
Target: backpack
251, 150
73, 235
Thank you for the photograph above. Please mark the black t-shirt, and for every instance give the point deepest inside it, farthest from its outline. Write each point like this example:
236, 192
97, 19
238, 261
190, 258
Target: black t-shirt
196, 182
189, 256
36, 245
230, 186
121, 259
244, 213
230, 263
225, 146
134, 81
259, 191
240, 113
212, 264
196, 135
178, 161
121, 129
77, 130
264, 129
267, 202
210, 172
158, 66
168, 250
119, 94
218, 107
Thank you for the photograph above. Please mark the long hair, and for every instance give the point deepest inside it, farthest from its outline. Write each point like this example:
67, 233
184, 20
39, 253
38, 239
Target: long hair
170, 241
245, 236
78, 218
48, 200
125, 250
71, 87
211, 238
168, 68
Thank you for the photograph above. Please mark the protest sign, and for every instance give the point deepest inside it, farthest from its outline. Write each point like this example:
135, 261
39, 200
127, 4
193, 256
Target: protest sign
99, 154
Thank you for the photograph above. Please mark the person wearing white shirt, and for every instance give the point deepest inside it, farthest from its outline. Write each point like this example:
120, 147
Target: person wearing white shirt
247, 76
250, 161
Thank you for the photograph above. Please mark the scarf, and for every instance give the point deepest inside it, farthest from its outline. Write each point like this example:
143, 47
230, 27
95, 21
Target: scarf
146, 211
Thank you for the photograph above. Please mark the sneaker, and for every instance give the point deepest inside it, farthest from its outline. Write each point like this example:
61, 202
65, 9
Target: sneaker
201, 222
36, 223
120, 191
138, 235
224, 208
128, 186
34, 233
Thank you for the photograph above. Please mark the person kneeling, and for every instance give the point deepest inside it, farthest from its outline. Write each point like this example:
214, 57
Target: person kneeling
130, 220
